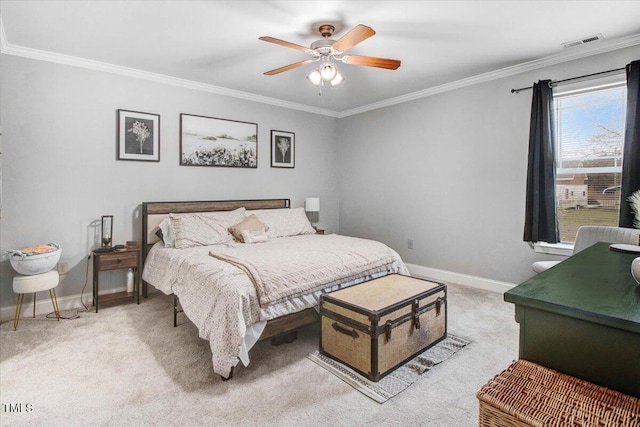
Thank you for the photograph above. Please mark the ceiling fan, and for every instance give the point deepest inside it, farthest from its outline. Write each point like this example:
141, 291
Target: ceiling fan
327, 50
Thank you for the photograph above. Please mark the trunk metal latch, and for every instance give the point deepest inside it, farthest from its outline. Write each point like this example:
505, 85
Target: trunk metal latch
438, 305
387, 330
416, 314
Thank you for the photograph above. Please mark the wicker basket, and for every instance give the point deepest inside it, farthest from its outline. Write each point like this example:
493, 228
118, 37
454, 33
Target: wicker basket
526, 394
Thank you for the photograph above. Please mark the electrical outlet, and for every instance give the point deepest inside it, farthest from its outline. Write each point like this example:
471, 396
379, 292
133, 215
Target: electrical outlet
410, 243
63, 268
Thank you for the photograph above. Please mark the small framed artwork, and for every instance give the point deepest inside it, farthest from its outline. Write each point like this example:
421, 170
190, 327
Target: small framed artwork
283, 149
138, 136
208, 141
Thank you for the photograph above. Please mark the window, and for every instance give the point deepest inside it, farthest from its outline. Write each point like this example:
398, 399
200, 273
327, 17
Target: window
589, 141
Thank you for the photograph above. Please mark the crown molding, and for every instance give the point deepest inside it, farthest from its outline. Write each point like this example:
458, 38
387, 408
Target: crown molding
579, 52
74, 61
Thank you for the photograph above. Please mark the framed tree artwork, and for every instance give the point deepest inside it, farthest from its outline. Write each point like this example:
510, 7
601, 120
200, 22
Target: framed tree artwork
138, 136
209, 141
283, 149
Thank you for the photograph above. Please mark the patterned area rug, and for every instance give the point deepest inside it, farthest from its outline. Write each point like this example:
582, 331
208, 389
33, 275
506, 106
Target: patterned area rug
399, 379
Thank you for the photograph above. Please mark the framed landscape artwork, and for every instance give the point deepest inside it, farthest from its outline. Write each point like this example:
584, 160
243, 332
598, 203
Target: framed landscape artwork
138, 136
209, 141
283, 149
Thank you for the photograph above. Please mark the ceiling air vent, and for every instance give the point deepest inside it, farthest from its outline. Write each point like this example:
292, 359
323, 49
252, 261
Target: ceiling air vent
583, 41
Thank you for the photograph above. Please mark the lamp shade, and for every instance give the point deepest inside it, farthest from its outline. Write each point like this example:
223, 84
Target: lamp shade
312, 204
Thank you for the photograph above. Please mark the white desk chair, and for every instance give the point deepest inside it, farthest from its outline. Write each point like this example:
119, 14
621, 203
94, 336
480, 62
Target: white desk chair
32, 284
588, 235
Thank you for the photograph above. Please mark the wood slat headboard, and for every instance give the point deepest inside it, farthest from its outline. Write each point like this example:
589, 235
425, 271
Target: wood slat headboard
154, 212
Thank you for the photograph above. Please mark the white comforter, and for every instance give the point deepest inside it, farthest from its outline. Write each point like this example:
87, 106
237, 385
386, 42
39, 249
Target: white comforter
221, 300
303, 264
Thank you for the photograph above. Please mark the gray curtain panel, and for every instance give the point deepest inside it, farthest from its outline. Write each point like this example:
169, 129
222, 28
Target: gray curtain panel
631, 150
541, 223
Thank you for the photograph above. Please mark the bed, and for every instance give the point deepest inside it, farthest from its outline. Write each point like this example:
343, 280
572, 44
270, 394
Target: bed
238, 293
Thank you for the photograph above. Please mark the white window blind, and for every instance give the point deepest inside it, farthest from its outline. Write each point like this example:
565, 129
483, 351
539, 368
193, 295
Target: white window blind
589, 138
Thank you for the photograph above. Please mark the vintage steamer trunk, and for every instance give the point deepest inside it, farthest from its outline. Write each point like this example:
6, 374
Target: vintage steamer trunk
376, 326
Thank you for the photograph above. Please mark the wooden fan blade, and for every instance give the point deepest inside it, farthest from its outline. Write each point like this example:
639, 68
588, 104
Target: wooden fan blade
285, 44
353, 37
287, 67
371, 61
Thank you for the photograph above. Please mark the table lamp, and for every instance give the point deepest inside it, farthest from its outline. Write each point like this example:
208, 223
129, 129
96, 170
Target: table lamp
312, 207
106, 230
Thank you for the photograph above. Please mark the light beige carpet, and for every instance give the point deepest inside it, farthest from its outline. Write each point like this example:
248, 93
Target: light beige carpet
127, 365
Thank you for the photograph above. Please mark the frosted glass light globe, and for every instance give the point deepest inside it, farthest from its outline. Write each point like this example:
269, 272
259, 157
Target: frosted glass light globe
328, 72
315, 77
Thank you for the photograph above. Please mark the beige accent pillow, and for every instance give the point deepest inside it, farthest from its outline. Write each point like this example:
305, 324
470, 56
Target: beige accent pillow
285, 222
203, 228
249, 223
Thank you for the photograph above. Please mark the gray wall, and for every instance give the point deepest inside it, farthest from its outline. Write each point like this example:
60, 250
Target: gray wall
449, 172
60, 174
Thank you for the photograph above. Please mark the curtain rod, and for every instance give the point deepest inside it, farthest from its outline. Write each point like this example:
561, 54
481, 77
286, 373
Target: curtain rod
554, 83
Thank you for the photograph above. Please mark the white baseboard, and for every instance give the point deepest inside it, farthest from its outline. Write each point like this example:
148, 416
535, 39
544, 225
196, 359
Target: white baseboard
459, 278
44, 305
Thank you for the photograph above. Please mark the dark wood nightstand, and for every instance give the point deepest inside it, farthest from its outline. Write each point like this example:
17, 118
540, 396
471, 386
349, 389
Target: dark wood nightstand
116, 260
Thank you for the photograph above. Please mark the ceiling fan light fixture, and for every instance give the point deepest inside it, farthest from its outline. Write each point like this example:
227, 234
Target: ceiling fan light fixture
315, 77
328, 72
327, 51
337, 80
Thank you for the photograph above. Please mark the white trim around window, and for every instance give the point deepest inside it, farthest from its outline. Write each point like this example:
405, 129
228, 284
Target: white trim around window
564, 249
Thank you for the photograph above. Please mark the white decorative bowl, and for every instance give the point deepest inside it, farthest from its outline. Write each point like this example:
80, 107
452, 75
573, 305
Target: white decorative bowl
635, 269
34, 264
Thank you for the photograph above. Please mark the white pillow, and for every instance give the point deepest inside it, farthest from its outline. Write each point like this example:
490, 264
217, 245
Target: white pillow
204, 228
167, 234
254, 236
285, 222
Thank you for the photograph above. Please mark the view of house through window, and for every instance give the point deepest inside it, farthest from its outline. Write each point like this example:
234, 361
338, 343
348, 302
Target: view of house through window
589, 138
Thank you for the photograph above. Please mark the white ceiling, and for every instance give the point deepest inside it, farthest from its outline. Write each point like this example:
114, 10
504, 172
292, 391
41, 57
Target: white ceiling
215, 43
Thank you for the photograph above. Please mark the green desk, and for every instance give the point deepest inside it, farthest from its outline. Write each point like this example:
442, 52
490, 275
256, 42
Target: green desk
582, 317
